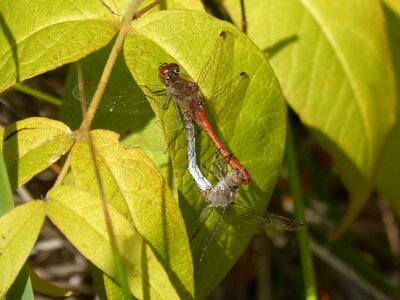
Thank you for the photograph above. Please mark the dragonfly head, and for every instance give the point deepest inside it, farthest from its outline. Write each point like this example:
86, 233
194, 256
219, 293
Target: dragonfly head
168, 72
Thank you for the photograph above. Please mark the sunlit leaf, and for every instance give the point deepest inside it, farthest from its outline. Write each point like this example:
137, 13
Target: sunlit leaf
22, 285
79, 215
137, 190
254, 128
19, 230
389, 170
57, 33
32, 145
333, 62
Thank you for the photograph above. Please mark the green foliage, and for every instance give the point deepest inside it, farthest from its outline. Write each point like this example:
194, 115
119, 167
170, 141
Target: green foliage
340, 82
31, 146
73, 216
19, 230
45, 287
390, 166
334, 63
21, 287
133, 189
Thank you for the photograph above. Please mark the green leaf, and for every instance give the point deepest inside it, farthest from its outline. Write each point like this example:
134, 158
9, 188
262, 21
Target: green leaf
134, 186
57, 33
32, 145
258, 20
79, 215
175, 4
333, 61
19, 230
388, 175
58, 36
46, 287
113, 291
6, 196
119, 7
120, 122
253, 127
21, 288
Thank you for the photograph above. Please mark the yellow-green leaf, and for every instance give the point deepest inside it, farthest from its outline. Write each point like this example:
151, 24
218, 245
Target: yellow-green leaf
249, 120
175, 4
251, 123
333, 61
388, 183
134, 186
58, 32
46, 287
19, 230
32, 145
79, 215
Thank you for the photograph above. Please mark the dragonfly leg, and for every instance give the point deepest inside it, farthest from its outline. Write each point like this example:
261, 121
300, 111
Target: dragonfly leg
176, 131
220, 165
166, 101
159, 92
204, 165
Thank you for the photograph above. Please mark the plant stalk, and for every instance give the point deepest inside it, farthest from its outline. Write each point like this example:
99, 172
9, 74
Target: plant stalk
302, 235
94, 104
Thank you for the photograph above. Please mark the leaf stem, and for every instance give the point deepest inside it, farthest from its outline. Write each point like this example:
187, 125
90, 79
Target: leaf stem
120, 272
302, 235
64, 170
146, 9
125, 26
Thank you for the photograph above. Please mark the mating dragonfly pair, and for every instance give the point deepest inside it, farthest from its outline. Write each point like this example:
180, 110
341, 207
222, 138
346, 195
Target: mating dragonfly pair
188, 101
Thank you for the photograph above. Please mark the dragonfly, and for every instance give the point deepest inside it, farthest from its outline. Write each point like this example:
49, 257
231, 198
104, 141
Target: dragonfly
222, 198
187, 97
187, 93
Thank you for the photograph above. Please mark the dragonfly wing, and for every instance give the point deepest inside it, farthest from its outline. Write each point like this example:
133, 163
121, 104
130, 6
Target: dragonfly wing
206, 234
150, 126
250, 220
219, 63
279, 224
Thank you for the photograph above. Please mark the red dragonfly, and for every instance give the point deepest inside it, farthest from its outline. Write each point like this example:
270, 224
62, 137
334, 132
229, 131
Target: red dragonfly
185, 94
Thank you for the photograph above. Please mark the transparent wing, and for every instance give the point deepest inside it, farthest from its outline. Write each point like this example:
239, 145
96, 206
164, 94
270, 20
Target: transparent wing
222, 104
250, 220
144, 130
237, 220
224, 89
219, 63
247, 220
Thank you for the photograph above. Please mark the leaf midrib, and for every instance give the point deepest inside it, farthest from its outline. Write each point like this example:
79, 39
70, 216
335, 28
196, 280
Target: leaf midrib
343, 63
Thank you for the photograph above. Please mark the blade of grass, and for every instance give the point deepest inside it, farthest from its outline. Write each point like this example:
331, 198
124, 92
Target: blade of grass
21, 288
302, 234
37, 94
